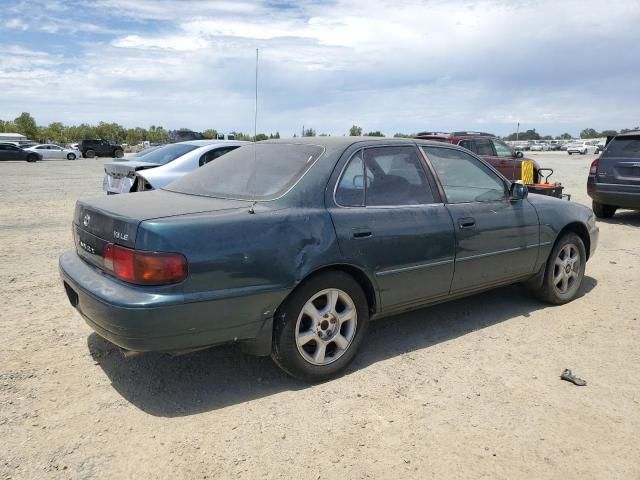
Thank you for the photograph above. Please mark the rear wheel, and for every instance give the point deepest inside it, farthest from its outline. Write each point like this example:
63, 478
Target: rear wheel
71, 156
90, 153
564, 271
118, 153
603, 211
32, 158
569, 153
319, 328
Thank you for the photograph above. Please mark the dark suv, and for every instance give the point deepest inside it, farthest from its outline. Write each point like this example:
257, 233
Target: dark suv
100, 148
614, 177
500, 155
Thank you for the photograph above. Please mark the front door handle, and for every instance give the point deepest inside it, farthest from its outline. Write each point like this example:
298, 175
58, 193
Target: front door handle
361, 232
467, 222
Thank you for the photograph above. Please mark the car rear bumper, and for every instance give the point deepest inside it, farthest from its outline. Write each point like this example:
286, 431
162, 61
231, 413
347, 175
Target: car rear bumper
141, 319
615, 194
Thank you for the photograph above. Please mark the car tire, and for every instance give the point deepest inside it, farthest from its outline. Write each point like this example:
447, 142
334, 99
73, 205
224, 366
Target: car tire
603, 211
71, 156
118, 153
90, 154
564, 271
569, 153
32, 158
320, 326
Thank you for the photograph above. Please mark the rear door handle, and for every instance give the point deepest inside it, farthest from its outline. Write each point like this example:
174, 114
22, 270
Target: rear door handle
467, 222
361, 232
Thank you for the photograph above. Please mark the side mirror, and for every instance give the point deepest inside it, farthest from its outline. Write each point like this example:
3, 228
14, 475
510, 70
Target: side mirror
519, 154
518, 191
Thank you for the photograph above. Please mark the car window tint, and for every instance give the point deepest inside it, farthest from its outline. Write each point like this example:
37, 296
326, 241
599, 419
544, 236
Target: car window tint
215, 153
484, 147
502, 149
628, 147
468, 144
350, 191
463, 178
395, 176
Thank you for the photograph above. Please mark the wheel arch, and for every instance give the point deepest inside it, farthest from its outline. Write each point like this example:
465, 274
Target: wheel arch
581, 230
358, 274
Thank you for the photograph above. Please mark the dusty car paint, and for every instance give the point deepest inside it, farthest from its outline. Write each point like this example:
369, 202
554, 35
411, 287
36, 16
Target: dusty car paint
246, 257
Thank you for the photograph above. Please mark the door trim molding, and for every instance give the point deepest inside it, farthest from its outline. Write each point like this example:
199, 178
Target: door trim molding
394, 271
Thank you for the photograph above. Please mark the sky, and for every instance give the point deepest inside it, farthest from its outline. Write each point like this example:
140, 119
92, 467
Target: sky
393, 66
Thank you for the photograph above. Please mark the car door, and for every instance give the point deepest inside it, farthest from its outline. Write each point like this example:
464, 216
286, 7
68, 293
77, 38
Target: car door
56, 152
497, 239
391, 222
4, 152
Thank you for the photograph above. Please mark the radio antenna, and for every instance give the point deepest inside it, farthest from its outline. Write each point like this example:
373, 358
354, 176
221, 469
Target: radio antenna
255, 116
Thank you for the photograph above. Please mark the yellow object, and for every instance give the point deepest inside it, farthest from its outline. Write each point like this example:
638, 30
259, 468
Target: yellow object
526, 172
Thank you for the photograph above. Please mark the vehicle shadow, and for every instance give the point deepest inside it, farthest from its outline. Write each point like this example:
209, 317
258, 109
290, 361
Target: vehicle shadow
623, 217
166, 386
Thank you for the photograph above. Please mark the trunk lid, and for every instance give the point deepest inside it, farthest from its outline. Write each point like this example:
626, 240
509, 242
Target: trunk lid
119, 176
115, 219
620, 162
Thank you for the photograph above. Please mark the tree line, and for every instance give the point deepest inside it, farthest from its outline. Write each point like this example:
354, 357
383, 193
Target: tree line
57, 132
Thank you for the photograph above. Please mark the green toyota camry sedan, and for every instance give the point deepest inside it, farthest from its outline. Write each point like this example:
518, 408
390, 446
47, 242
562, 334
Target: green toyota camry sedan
291, 247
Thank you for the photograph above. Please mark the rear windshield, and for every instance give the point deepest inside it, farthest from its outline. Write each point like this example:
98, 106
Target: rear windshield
628, 147
261, 171
168, 153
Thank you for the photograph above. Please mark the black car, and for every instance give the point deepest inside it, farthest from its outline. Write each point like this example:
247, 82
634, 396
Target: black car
100, 148
614, 177
8, 151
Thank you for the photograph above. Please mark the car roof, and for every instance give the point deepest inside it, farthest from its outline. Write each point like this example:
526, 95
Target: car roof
632, 133
346, 141
203, 143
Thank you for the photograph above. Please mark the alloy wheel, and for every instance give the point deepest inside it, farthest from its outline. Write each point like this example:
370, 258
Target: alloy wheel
326, 326
566, 269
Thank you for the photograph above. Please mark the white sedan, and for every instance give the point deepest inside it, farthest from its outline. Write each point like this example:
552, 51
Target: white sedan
579, 147
162, 165
52, 151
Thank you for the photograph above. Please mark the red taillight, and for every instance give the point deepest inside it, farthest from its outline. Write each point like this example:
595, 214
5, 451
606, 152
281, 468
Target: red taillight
145, 268
594, 167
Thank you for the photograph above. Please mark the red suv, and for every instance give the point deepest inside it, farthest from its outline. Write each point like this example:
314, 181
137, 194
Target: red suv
500, 155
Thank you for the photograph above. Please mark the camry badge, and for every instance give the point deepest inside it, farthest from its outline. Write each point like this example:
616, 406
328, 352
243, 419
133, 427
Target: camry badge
86, 220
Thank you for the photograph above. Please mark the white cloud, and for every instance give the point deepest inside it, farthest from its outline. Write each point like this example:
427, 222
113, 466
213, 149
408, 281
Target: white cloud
393, 66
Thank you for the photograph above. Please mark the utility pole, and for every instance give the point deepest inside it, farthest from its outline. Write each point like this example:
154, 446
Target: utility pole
518, 132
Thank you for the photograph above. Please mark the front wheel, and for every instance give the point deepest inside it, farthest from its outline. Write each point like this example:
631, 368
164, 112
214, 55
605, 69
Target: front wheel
569, 153
71, 156
564, 271
320, 327
32, 158
603, 211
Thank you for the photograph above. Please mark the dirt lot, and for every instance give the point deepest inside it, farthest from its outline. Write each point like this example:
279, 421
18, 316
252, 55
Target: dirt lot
465, 390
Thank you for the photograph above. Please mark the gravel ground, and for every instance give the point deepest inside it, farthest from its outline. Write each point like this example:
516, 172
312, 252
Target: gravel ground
469, 389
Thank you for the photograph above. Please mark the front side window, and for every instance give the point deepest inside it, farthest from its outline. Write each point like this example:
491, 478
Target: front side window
463, 178
502, 149
168, 153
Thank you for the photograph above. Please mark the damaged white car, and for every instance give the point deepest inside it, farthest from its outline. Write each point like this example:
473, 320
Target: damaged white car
163, 165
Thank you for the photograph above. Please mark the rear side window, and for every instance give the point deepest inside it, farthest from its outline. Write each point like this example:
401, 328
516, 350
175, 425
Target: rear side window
626, 147
464, 178
168, 153
484, 147
392, 176
215, 153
